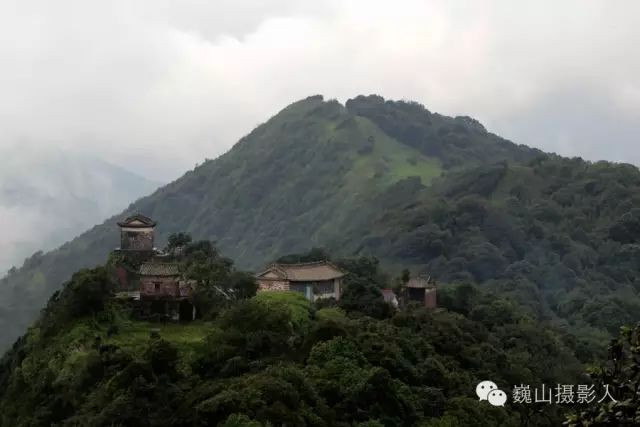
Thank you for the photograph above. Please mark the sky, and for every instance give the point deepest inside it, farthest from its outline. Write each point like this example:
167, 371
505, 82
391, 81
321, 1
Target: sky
157, 86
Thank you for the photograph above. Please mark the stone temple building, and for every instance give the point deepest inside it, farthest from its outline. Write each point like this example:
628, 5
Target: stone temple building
149, 278
137, 234
315, 280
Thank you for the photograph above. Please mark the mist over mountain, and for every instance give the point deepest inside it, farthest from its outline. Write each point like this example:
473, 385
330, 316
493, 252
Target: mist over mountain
48, 197
414, 188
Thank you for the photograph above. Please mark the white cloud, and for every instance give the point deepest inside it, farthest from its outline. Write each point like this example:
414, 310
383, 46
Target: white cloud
156, 86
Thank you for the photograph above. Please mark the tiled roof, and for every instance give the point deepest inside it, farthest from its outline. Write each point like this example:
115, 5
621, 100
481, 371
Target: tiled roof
137, 220
306, 272
159, 269
420, 282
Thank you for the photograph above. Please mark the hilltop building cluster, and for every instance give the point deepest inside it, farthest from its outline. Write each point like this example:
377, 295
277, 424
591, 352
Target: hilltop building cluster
322, 279
151, 279
421, 290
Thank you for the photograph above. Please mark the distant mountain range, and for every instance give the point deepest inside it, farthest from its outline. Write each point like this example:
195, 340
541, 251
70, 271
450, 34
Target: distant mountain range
48, 197
416, 189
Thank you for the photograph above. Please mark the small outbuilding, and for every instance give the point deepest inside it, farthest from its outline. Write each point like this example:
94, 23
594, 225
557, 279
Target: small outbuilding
421, 290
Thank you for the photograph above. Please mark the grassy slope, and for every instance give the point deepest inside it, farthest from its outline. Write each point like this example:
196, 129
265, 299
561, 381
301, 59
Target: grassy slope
389, 161
185, 336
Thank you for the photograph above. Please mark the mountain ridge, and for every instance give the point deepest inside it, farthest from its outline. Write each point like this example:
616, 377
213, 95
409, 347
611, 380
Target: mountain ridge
362, 178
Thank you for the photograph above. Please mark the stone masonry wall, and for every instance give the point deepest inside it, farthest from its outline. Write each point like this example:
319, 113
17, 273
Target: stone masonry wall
136, 240
273, 285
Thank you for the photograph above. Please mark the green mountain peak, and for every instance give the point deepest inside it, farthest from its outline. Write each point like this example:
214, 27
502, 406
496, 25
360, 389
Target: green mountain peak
373, 176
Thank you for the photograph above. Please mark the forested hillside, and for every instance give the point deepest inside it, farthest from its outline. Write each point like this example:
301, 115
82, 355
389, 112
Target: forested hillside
276, 359
414, 188
558, 235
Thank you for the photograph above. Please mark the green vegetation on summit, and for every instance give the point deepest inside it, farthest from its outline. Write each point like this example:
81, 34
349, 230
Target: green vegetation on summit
316, 174
417, 190
277, 359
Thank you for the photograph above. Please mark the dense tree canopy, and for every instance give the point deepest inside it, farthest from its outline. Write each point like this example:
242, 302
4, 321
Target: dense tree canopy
277, 359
